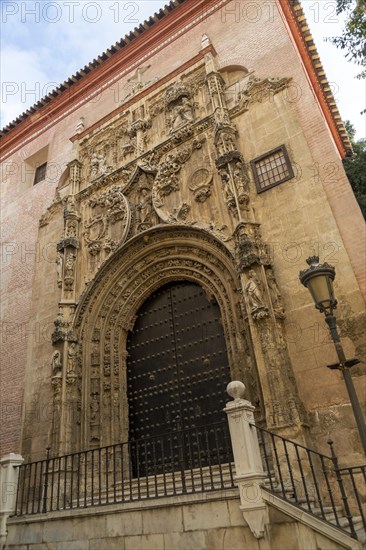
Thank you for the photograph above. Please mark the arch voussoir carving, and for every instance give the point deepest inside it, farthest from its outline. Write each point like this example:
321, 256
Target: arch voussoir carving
107, 310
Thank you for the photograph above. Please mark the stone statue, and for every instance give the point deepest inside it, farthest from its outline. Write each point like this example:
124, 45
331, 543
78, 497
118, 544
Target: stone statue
71, 229
183, 113
145, 207
72, 357
69, 265
56, 364
59, 266
254, 294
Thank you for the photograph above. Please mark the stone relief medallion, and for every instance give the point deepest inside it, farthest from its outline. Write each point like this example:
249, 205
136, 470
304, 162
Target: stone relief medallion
201, 183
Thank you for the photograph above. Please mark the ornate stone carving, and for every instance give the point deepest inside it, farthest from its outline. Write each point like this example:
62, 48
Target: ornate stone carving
145, 264
146, 214
275, 295
75, 176
167, 179
72, 356
69, 271
250, 248
111, 217
201, 184
253, 289
56, 364
59, 268
61, 326
179, 108
259, 89
241, 182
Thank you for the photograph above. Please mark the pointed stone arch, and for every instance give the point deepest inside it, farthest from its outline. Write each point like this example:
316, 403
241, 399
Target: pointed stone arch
107, 310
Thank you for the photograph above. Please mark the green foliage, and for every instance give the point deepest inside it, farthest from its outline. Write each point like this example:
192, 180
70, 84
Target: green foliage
353, 38
355, 167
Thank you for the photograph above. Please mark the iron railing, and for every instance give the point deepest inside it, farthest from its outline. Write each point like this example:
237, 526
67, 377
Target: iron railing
314, 481
187, 461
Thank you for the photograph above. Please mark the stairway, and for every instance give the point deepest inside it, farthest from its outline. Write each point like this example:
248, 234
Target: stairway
334, 515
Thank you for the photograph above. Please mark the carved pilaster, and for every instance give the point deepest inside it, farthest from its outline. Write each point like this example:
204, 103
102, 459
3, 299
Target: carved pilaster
216, 89
67, 249
250, 247
75, 176
265, 313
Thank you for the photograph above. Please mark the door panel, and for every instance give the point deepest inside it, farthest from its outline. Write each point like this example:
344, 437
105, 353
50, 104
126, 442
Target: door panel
177, 366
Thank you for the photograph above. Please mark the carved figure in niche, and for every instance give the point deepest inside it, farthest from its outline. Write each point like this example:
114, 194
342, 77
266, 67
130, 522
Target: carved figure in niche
128, 148
94, 166
59, 266
69, 264
226, 143
258, 309
107, 370
56, 363
275, 295
71, 229
241, 183
147, 214
98, 165
70, 205
113, 198
72, 358
94, 408
182, 113
229, 197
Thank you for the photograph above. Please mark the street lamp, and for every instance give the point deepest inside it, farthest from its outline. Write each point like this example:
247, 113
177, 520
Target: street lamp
318, 279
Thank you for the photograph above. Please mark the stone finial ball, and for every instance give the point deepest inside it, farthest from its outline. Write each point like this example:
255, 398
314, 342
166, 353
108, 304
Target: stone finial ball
236, 389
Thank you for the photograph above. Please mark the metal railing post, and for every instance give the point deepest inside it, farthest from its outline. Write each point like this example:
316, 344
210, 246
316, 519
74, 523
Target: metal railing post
342, 490
45, 487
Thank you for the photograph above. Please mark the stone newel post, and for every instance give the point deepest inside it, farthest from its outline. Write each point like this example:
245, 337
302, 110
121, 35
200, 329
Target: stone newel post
9, 472
248, 465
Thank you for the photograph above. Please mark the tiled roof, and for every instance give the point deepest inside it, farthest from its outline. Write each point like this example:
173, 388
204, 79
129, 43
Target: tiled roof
304, 31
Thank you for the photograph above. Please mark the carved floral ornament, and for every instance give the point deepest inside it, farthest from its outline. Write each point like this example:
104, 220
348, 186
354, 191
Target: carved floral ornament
259, 90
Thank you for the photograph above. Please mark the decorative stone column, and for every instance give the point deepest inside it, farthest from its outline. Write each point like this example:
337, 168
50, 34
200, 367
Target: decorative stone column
8, 484
248, 465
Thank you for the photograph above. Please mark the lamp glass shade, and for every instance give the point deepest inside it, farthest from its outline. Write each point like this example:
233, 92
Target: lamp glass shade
318, 279
321, 289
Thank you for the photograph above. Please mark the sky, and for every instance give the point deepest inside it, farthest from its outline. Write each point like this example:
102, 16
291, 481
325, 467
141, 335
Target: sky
45, 42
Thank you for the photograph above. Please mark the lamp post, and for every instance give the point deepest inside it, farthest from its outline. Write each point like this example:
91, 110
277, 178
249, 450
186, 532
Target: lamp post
318, 279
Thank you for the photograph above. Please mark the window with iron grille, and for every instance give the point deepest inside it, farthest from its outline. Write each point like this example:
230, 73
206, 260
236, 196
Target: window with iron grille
40, 174
272, 169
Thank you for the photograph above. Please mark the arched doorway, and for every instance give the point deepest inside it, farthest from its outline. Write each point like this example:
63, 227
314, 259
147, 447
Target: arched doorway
177, 372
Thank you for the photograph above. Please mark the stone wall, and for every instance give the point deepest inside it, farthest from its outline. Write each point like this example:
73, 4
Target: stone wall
213, 522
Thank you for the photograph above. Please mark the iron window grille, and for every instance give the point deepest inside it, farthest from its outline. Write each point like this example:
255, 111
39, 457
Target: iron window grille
40, 174
271, 169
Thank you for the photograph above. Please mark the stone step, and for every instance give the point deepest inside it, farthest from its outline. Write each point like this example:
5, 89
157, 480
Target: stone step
169, 484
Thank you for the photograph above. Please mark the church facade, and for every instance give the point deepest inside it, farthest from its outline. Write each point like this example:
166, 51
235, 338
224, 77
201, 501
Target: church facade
158, 207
